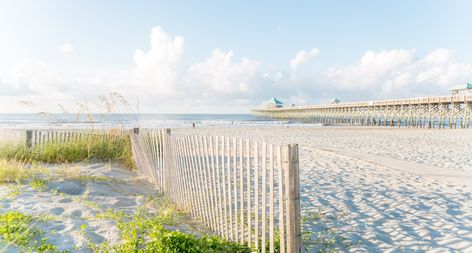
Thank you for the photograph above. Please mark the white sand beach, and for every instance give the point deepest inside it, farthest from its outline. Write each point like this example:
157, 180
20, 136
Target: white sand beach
380, 190
362, 190
81, 202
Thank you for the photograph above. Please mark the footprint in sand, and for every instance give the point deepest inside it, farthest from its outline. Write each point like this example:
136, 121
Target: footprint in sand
94, 237
382, 236
69, 187
421, 207
434, 234
56, 211
453, 212
350, 204
349, 194
5, 203
125, 202
76, 213
65, 200
58, 228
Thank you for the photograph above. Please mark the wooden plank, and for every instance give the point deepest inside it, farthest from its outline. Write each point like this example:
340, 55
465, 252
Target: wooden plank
219, 183
179, 176
281, 200
189, 180
163, 161
293, 199
196, 176
213, 186
207, 179
203, 179
230, 197
248, 194
264, 198
152, 151
225, 202
192, 180
271, 199
241, 191
235, 191
256, 195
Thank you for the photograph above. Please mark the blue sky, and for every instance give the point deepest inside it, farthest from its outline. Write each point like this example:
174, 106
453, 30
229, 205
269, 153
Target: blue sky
65, 50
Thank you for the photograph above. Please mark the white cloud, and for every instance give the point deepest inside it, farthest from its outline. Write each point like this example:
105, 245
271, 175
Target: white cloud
399, 73
220, 74
158, 69
164, 81
66, 48
161, 72
303, 57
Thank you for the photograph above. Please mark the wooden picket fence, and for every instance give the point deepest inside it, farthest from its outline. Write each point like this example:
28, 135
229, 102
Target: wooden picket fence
245, 191
12, 137
40, 137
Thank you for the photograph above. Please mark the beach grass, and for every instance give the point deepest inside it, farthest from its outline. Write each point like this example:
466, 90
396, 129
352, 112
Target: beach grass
115, 147
15, 171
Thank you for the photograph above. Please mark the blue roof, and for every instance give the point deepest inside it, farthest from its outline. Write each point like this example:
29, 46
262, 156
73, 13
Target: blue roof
462, 86
275, 101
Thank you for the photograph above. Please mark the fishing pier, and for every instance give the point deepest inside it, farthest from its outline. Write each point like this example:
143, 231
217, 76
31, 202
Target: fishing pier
454, 111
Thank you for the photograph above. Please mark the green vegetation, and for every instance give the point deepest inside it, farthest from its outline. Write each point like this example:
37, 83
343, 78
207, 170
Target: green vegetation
13, 172
39, 184
142, 232
112, 146
321, 235
21, 230
146, 232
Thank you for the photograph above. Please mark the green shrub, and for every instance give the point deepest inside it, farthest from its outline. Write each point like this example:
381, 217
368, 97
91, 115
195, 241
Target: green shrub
19, 229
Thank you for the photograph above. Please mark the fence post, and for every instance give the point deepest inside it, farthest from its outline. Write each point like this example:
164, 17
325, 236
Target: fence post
293, 201
29, 138
167, 162
136, 130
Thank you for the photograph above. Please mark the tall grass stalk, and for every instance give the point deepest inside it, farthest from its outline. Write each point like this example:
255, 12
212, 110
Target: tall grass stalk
13, 171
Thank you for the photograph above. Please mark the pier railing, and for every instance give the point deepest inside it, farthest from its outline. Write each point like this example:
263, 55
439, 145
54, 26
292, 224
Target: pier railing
427, 112
245, 191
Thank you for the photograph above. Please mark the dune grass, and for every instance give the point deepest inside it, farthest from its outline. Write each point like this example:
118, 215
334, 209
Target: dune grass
14, 171
101, 147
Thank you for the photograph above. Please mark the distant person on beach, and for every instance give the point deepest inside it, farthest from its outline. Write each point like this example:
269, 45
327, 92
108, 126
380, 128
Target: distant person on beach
193, 125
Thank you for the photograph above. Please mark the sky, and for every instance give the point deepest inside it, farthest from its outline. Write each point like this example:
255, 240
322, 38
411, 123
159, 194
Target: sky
227, 56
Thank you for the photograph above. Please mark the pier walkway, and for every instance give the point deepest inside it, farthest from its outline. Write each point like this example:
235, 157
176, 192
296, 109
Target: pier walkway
453, 111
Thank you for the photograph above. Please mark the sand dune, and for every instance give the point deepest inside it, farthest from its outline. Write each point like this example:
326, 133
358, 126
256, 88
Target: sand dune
69, 209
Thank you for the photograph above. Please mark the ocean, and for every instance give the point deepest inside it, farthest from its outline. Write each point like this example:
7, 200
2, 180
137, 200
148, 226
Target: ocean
42, 121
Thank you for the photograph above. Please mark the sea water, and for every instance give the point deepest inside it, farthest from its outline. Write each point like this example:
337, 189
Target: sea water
40, 121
